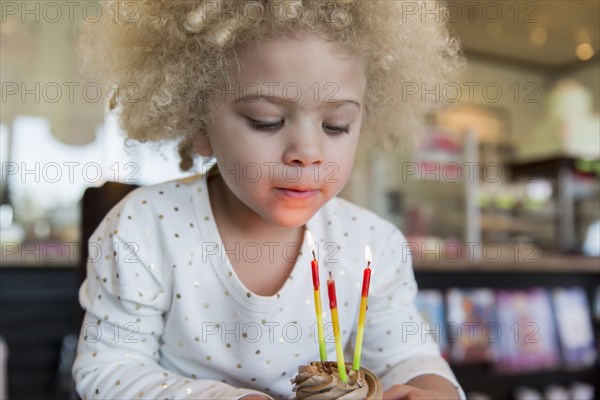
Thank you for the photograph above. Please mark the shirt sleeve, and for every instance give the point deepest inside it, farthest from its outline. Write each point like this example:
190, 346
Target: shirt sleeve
398, 344
125, 297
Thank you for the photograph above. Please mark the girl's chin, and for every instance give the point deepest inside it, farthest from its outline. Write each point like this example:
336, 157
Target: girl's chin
290, 218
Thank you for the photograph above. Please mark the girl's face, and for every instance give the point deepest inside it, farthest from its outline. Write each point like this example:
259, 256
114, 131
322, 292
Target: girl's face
285, 134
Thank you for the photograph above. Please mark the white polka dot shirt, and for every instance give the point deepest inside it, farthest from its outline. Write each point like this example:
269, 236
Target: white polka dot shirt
168, 318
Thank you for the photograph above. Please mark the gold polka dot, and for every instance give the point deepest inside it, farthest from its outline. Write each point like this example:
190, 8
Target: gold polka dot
239, 365
191, 225
104, 279
206, 305
208, 358
160, 216
248, 294
164, 385
206, 218
177, 185
257, 352
253, 379
177, 235
138, 320
140, 294
144, 201
129, 217
228, 345
197, 338
176, 208
178, 296
117, 383
94, 354
165, 374
106, 317
160, 192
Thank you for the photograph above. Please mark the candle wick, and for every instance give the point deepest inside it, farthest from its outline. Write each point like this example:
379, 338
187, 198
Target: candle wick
369, 264
313, 253
330, 277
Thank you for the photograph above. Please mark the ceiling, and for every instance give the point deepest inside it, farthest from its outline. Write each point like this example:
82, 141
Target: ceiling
501, 30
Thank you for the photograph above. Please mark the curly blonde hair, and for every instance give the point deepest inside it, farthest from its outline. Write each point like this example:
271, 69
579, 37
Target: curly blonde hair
171, 57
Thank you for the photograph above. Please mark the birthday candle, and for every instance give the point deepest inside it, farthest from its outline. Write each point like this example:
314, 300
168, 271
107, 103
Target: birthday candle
363, 310
336, 329
317, 296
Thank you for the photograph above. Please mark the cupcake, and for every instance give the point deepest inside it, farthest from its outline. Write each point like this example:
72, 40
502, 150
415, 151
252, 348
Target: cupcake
321, 381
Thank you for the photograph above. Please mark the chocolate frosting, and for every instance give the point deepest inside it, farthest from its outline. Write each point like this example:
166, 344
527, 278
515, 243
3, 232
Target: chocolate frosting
319, 381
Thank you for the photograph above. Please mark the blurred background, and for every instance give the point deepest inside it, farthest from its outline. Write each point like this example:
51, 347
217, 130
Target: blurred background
500, 203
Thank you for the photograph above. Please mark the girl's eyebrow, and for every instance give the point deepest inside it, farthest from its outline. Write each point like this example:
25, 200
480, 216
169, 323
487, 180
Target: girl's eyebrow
254, 97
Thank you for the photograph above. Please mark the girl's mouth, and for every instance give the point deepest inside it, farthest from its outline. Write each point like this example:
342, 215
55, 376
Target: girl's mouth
297, 193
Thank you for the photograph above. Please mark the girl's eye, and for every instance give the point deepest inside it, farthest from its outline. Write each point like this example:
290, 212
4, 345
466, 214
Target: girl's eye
336, 130
265, 126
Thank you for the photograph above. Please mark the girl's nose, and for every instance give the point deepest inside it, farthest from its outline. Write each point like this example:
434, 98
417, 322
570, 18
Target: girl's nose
303, 149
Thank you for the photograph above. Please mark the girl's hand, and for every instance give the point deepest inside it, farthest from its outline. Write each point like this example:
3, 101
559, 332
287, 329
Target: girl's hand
254, 397
407, 392
423, 387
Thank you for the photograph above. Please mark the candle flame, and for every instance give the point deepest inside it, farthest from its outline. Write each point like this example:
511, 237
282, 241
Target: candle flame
368, 256
311, 241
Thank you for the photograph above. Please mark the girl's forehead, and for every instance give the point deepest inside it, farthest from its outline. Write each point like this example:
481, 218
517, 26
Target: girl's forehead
302, 75
296, 58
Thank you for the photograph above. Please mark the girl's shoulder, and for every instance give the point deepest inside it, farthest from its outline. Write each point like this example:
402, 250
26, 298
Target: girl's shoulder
169, 188
158, 202
164, 192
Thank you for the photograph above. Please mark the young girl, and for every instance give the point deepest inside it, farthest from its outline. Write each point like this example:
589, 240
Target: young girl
201, 288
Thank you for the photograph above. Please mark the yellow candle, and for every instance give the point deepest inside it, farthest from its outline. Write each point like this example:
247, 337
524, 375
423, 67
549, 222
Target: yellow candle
363, 310
339, 350
317, 297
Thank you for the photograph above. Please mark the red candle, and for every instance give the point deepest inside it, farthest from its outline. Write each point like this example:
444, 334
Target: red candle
367, 273
315, 272
364, 305
331, 292
314, 264
335, 320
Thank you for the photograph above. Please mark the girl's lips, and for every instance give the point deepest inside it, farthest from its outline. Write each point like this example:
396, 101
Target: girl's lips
298, 194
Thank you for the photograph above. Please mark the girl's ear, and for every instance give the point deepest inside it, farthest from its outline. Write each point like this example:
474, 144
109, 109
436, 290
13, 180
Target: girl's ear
202, 145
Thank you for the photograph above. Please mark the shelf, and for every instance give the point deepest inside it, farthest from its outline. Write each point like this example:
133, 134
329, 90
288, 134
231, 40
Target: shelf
513, 224
543, 264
